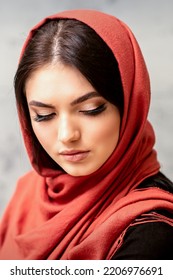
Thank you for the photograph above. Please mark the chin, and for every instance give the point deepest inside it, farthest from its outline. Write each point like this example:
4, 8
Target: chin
79, 172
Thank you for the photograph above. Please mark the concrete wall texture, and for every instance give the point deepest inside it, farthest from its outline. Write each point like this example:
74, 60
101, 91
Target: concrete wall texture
152, 23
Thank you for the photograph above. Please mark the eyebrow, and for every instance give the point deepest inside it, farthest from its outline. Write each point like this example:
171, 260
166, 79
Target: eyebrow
85, 97
80, 99
40, 104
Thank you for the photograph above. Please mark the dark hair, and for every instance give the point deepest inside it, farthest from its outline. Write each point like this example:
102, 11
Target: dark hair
72, 43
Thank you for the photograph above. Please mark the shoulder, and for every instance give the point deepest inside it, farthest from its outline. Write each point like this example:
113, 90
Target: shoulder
25, 184
25, 189
152, 240
31, 174
28, 178
158, 180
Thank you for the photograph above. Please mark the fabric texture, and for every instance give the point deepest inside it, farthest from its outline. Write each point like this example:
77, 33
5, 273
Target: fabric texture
53, 215
153, 240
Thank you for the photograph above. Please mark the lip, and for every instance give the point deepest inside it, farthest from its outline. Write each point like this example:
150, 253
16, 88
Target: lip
74, 155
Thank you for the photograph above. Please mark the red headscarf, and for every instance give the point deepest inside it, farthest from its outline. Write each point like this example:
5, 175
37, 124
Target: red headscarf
53, 215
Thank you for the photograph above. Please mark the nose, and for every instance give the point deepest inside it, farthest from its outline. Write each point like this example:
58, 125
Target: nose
68, 130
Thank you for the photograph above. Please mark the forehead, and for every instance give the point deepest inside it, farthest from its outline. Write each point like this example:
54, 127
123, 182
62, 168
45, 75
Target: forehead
56, 80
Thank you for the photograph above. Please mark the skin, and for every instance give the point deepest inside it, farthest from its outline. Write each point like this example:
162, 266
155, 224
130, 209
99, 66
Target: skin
68, 116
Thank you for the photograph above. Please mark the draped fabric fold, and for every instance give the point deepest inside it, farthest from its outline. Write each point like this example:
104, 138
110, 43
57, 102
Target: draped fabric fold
53, 215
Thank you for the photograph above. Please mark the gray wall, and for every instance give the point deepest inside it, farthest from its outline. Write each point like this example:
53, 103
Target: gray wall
152, 24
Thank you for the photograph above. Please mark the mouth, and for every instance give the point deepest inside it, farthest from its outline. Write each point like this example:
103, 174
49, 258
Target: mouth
74, 155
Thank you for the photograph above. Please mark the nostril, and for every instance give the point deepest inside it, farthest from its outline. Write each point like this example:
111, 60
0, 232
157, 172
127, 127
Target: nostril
67, 129
69, 136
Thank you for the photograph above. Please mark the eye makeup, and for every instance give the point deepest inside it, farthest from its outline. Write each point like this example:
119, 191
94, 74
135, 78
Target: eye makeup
93, 112
40, 118
96, 111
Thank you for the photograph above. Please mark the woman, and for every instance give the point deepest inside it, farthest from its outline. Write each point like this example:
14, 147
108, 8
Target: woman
96, 190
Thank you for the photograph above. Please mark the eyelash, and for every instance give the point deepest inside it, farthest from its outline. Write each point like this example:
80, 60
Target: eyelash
93, 112
40, 118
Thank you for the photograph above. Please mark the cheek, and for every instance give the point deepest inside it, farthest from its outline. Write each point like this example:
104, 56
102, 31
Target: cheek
105, 133
43, 134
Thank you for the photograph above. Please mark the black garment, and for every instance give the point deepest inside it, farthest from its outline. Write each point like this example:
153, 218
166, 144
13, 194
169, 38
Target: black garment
149, 241
159, 181
152, 240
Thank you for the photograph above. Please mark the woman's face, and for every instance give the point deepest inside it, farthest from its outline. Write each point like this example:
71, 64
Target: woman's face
76, 126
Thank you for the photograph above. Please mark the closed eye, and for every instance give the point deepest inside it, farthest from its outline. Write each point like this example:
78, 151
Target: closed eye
95, 111
40, 118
